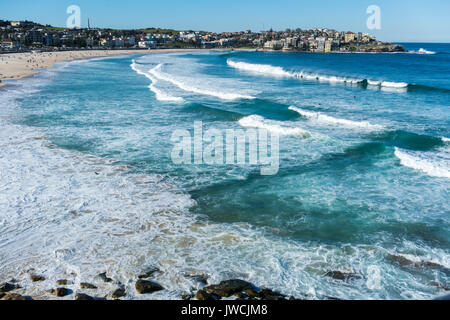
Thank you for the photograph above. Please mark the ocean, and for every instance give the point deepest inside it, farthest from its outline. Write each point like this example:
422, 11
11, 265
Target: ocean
88, 184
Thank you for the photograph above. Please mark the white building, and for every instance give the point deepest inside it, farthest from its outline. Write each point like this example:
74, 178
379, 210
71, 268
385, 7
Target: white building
147, 44
274, 44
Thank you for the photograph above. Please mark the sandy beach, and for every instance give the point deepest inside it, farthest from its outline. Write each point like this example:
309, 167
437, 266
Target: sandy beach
19, 65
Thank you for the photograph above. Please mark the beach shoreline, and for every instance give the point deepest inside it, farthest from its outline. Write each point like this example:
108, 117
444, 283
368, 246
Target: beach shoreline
15, 66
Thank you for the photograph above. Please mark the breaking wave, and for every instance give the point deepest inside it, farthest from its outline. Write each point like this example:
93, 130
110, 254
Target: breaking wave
387, 84
423, 51
270, 70
336, 121
156, 72
255, 121
274, 71
160, 95
260, 68
433, 164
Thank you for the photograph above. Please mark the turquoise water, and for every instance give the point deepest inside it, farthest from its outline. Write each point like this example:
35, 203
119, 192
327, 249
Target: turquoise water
369, 183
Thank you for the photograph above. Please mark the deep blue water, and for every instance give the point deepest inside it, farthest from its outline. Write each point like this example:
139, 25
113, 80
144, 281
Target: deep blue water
369, 183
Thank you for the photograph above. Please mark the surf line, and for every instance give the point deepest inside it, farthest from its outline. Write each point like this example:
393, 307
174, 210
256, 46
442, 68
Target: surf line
252, 146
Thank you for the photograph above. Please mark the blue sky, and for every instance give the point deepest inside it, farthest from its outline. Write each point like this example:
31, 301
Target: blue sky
401, 20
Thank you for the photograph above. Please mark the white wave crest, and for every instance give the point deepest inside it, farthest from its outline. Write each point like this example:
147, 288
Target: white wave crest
336, 121
186, 87
270, 70
327, 78
255, 121
423, 51
160, 95
373, 82
387, 84
390, 84
260, 68
432, 165
445, 139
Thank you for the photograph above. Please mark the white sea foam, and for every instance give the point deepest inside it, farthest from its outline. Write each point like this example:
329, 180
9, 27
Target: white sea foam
390, 84
327, 78
69, 215
259, 68
255, 121
445, 139
189, 88
423, 51
270, 70
374, 83
336, 121
431, 163
280, 72
159, 94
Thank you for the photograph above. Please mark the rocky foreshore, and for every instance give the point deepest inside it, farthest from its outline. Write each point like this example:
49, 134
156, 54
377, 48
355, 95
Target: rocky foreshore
383, 48
234, 289
146, 284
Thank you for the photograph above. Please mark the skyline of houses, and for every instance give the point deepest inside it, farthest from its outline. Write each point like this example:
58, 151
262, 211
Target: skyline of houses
26, 35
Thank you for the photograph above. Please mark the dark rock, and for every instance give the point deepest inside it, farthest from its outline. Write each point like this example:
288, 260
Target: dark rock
145, 286
240, 295
82, 296
204, 296
343, 276
440, 285
228, 288
14, 296
62, 282
187, 296
400, 260
2, 295
251, 293
104, 277
36, 278
397, 48
60, 292
200, 278
149, 273
404, 262
267, 294
118, 293
430, 264
85, 285
7, 287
